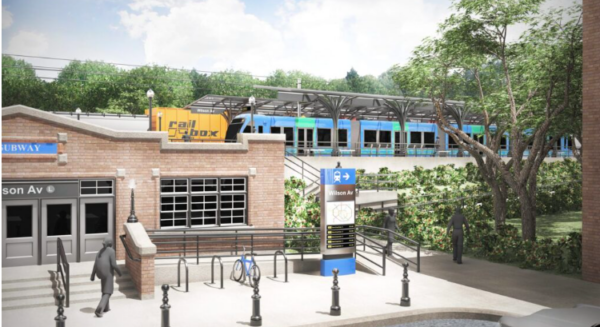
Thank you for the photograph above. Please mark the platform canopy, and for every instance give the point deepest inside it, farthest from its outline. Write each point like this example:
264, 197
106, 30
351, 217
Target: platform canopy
317, 103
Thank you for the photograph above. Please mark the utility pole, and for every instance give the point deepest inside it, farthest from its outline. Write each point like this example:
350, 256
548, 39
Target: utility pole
299, 86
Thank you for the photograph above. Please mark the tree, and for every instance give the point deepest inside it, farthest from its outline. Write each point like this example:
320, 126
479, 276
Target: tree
20, 85
535, 87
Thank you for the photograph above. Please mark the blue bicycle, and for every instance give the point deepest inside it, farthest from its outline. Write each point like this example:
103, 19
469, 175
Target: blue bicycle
246, 268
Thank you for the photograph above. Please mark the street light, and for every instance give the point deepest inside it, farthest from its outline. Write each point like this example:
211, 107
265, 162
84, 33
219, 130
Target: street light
252, 102
150, 95
78, 112
159, 114
132, 218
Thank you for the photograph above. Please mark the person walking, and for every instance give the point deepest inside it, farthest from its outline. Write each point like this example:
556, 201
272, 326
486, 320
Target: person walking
389, 223
186, 137
457, 221
104, 268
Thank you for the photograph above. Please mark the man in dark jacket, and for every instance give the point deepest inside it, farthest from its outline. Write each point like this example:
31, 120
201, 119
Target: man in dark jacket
457, 221
105, 267
389, 223
186, 137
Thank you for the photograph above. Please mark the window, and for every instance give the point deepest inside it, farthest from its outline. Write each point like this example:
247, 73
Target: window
247, 129
451, 143
415, 138
429, 139
209, 202
96, 187
19, 221
343, 137
397, 138
275, 130
289, 136
479, 138
260, 129
323, 137
503, 141
385, 137
370, 137
569, 142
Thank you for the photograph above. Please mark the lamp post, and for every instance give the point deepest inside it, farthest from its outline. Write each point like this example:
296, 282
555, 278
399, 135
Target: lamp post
78, 112
132, 218
252, 102
159, 114
150, 95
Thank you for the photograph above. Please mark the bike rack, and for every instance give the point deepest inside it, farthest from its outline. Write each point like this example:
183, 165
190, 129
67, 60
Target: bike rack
212, 269
275, 264
187, 274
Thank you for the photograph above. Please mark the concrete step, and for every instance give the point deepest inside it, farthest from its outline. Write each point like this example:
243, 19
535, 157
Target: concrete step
45, 282
75, 298
79, 288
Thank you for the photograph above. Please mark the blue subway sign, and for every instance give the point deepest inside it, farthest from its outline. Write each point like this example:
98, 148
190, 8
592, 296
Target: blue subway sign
29, 148
338, 176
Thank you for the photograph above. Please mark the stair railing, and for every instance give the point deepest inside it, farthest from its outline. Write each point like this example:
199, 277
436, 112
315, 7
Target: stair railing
63, 269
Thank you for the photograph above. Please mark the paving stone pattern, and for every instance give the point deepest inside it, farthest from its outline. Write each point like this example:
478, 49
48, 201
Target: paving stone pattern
451, 323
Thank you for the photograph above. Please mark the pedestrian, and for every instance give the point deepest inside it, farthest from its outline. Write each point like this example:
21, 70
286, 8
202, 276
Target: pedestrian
186, 137
105, 267
457, 221
389, 223
339, 165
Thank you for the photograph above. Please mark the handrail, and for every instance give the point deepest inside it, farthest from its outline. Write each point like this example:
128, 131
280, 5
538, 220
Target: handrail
275, 264
122, 237
187, 274
364, 243
395, 234
302, 167
212, 269
62, 267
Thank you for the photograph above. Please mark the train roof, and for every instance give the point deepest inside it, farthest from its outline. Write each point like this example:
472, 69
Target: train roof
119, 122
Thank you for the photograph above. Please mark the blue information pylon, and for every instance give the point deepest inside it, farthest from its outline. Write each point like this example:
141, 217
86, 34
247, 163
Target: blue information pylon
338, 202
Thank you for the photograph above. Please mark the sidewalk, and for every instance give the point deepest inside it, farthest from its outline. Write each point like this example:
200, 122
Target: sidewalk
305, 300
538, 287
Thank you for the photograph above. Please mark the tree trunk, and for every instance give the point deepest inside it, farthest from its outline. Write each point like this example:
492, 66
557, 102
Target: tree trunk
527, 214
500, 208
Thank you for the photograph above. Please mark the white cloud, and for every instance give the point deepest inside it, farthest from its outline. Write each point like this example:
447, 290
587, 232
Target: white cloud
322, 37
28, 43
7, 18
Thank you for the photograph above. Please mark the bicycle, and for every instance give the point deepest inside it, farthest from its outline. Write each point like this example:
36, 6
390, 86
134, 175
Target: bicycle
245, 268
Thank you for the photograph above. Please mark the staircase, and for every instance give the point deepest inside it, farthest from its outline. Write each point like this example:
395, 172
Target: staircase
39, 291
309, 174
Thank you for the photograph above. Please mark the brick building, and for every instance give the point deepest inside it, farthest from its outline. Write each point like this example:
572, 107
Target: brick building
80, 190
591, 134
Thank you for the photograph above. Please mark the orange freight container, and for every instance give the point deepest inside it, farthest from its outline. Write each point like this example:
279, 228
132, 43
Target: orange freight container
201, 127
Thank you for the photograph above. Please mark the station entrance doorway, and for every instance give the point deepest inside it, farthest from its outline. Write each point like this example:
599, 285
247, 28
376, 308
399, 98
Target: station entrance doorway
35, 214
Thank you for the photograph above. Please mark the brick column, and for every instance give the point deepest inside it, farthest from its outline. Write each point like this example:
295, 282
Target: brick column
591, 136
141, 266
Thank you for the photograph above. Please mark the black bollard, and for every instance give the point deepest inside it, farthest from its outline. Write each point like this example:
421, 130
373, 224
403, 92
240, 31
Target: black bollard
165, 307
335, 296
60, 319
405, 300
256, 319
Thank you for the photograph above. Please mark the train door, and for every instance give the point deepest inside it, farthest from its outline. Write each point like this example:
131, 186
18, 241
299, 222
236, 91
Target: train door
305, 141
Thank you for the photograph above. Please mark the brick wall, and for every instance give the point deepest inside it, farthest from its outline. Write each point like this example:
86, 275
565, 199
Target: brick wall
591, 136
141, 272
91, 155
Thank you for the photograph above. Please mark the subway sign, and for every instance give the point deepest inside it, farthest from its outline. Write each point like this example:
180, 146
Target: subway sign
29, 148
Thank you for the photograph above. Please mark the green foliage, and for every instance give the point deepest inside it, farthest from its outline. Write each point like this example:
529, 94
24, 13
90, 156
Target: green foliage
427, 198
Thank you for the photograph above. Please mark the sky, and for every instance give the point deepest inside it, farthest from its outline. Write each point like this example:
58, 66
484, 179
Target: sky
322, 37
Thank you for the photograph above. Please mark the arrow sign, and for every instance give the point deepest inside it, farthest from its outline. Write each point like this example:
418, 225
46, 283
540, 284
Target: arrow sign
346, 176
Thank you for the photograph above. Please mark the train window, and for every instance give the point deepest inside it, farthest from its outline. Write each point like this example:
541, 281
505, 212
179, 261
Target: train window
451, 143
260, 129
429, 139
479, 138
323, 137
247, 129
415, 138
385, 137
289, 136
275, 130
343, 137
370, 136
570, 142
503, 141
397, 139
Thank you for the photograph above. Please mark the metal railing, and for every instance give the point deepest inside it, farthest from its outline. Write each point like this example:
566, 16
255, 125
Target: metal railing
227, 242
376, 182
122, 237
187, 274
63, 268
373, 246
309, 174
377, 234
